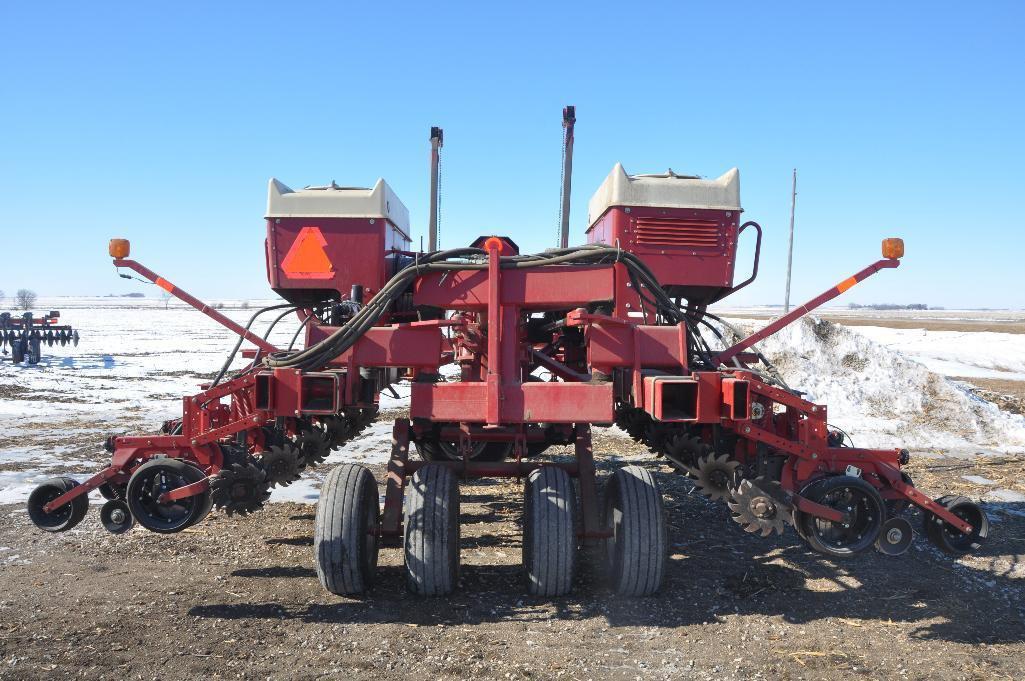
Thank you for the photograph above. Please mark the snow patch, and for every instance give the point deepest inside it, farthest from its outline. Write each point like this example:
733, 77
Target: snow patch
1006, 495
882, 397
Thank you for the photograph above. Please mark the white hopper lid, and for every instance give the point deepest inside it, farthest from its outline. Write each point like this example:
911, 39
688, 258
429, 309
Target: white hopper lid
333, 201
665, 191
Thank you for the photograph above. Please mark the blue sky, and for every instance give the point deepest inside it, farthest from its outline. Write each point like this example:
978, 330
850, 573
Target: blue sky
162, 122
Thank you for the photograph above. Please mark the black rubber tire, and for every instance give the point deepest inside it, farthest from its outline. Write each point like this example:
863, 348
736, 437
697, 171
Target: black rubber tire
344, 544
549, 531
636, 554
874, 514
929, 520
17, 351
204, 510
195, 507
431, 543
34, 351
63, 518
950, 540
490, 452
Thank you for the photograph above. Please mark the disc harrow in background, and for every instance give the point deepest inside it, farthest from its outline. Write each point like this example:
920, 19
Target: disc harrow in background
23, 336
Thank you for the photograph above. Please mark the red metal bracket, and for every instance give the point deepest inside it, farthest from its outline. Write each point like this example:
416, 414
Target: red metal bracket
395, 484
179, 493
83, 488
590, 521
912, 494
818, 510
581, 317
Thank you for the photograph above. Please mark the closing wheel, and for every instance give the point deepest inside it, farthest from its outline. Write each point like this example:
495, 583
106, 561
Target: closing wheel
344, 541
60, 519
116, 516
896, 537
431, 544
155, 477
549, 534
865, 509
948, 538
637, 550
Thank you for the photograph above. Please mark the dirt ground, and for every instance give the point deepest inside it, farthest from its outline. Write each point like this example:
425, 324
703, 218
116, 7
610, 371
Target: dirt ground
239, 598
1008, 395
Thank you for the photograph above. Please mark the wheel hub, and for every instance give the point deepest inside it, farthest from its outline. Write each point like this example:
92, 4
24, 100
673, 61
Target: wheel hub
758, 506
762, 507
714, 476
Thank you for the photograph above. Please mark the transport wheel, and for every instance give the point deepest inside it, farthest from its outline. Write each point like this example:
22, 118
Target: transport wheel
63, 518
854, 496
549, 531
636, 553
949, 539
431, 544
344, 543
152, 479
17, 351
34, 351
116, 517
484, 452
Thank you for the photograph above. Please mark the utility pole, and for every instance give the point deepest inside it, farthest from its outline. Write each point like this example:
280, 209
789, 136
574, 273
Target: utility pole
790, 248
437, 140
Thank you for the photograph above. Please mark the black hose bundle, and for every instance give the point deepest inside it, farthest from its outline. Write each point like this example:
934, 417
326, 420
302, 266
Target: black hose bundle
345, 336
642, 279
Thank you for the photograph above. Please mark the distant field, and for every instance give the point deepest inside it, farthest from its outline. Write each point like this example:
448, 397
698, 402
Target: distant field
929, 320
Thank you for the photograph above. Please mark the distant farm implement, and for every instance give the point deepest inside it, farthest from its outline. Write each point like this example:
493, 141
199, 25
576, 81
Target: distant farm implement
23, 336
536, 349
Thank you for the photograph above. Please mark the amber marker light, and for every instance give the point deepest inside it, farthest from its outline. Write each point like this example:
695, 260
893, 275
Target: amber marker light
495, 243
119, 248
893, 248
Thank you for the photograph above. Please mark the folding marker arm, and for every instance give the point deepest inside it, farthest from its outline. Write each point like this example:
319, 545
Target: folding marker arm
893, 250
119, 250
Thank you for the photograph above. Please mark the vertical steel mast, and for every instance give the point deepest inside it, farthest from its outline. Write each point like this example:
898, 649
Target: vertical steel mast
569, 118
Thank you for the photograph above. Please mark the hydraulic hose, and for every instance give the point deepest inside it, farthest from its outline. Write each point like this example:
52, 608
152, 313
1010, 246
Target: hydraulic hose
238, 344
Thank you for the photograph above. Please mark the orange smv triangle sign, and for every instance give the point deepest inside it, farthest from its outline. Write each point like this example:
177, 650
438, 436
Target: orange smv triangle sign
306, 259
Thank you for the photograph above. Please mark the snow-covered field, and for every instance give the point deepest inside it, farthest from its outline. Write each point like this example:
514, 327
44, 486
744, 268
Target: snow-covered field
886, 387
979, 354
